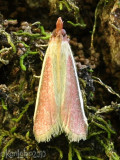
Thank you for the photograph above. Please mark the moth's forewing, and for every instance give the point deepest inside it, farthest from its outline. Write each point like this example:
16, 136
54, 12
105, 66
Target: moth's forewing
73, 119
59, 104
46, 116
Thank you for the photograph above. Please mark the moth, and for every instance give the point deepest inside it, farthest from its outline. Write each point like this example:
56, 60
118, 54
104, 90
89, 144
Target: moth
59, 104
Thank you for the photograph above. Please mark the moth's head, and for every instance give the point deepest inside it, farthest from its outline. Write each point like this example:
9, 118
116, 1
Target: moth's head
59, 32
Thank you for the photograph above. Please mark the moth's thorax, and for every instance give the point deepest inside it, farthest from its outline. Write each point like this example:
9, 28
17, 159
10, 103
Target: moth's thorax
59, 35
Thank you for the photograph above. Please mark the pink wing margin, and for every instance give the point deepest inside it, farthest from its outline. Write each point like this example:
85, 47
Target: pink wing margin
45, 116
73, 118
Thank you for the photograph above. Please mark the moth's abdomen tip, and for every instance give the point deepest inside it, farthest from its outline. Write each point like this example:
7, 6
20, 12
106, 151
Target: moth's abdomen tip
59, 24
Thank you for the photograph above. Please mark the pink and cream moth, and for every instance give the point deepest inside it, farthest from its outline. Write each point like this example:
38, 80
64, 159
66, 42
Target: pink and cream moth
59, 104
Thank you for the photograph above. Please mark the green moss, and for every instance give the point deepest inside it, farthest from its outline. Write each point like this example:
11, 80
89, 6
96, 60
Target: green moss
77, 153
23, 67
109, 148
97, 12
97, 80
27, 34
61, 3
59, 150
3, 105
93, 158
71, 6
77, 24
5, 49
32, 35
4, 150
9, 40
23, 112
70, 155
95, 134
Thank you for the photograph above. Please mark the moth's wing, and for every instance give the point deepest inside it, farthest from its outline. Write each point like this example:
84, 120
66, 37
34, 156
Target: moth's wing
73, 119
46, 117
